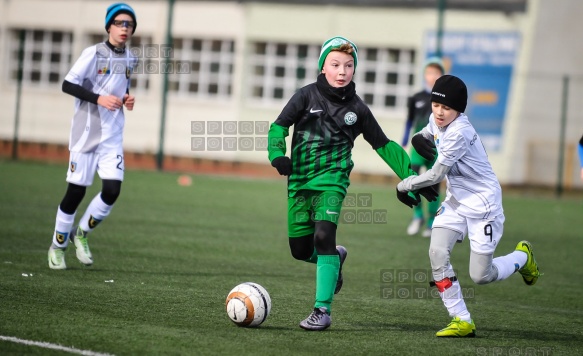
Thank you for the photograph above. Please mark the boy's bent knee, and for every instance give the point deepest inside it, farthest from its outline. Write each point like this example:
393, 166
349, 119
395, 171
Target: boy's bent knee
483, 279
110, 191
482, 271
72, 198
439, 257
325, 238
301, 248
442, 241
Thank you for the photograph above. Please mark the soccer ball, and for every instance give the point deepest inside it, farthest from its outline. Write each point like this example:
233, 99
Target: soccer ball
248, 304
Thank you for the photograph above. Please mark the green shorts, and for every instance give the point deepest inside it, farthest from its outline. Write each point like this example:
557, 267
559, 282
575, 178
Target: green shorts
309, 206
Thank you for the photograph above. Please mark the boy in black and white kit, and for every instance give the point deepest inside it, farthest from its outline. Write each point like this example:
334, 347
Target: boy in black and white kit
99, 81
472, 206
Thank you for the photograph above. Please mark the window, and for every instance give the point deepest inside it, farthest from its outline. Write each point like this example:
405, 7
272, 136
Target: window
47, 56
140, 79
279, 69
384, 76
202, 67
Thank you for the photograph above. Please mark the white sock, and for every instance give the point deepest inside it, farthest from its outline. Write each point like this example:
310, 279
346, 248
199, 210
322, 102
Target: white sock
63, 225
507, 265
454, 302
95, 213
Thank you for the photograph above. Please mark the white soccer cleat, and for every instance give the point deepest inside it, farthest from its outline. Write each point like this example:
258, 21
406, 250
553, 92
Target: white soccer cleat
426, 233
83, 252
414, 226
57, 258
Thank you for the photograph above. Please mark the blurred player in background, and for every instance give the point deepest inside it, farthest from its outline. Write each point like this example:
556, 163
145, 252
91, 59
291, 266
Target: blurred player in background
418, 111
473, 204
581, 155
99, 81
327, 117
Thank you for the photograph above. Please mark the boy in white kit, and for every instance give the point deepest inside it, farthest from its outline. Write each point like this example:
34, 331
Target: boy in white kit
472, 206
99, 81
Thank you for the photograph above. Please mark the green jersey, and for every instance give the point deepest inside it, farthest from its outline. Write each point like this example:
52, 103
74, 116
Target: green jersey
326, 122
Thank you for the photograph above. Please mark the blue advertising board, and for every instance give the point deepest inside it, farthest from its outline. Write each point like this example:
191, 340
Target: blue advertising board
484, 61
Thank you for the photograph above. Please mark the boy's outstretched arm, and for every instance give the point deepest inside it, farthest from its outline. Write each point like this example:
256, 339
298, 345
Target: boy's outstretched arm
276, 149
396, 157
431, 177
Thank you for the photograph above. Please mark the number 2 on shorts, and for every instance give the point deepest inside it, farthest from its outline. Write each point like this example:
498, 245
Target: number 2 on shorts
119, 165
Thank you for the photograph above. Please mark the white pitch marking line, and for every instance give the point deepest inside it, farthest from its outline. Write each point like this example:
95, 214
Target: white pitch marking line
48, 345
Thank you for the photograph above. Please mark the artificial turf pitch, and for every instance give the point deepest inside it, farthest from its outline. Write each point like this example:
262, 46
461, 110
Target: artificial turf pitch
168, 254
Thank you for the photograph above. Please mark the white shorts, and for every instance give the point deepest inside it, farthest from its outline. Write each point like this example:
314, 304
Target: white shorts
484, 234
82, 167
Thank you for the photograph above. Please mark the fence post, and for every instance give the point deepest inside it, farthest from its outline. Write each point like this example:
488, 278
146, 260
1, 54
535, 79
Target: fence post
562, 130
160, 156
440, 14
18, 94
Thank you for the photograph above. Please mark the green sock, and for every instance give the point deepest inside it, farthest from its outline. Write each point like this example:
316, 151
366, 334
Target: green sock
326, 277
314, 258
433, 207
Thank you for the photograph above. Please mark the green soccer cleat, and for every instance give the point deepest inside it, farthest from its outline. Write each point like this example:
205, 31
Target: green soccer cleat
57, 258
458, 328
83, 252
529, 271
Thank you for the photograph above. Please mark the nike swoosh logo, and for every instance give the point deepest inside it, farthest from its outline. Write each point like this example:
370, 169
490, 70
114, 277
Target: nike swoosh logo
331, 212
312, 111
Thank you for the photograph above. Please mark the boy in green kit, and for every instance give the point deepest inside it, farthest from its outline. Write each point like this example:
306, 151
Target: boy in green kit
328, 116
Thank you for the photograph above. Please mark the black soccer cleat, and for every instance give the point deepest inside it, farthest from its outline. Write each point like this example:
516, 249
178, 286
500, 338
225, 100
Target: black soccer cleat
342, 253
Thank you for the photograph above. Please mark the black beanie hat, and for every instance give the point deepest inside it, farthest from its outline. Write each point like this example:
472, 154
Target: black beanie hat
451, 91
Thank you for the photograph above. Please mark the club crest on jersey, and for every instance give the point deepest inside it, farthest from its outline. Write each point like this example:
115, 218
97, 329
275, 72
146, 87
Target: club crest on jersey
73, 167
436, 139
350, 118
103, 70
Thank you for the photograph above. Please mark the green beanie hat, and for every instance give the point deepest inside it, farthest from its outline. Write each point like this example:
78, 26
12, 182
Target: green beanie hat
335, 43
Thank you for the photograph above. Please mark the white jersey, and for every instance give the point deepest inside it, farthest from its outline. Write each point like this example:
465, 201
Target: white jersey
101, 71
473, 189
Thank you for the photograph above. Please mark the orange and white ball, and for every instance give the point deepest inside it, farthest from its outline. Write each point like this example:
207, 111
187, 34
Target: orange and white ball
248, 304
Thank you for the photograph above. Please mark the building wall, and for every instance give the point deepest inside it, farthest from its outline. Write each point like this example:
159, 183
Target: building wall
46, 111
554, 52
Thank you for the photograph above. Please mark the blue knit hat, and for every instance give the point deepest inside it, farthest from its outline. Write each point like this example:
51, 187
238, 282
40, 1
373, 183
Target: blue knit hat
335, 43
435, 61
116, 9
